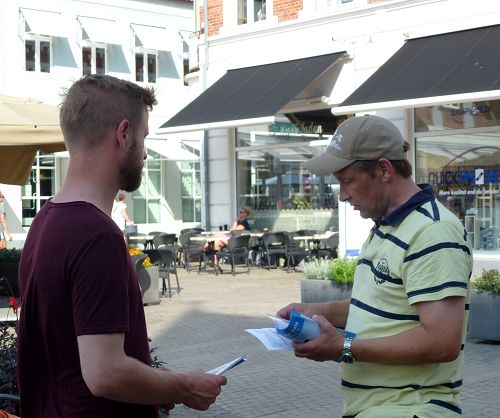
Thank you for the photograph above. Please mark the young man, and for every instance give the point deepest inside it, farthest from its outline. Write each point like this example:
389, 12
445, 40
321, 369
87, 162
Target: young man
83, 348
409, 300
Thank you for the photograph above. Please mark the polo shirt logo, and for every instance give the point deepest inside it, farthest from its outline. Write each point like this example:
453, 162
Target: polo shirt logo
383, 268
336, 141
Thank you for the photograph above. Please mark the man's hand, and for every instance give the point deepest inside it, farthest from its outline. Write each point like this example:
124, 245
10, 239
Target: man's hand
327, 346
307, 309
203, 389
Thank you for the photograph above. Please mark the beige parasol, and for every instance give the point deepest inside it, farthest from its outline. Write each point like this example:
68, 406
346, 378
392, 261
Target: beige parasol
26, 126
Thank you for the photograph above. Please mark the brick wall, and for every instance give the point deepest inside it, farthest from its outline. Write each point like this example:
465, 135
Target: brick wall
287, 9
215, 16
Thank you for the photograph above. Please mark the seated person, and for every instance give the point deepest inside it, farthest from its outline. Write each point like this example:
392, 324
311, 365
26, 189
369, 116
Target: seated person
240, 224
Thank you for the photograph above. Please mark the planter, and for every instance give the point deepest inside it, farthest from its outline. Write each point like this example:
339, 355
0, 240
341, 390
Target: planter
483, 316
149, 281
323, 291
9, 270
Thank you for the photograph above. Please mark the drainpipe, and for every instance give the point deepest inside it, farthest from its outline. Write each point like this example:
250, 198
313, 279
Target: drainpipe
205, 132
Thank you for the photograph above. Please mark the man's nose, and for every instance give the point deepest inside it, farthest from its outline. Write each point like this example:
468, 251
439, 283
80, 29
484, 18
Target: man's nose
343, 196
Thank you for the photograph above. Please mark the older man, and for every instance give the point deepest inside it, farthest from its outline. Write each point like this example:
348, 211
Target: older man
409, 301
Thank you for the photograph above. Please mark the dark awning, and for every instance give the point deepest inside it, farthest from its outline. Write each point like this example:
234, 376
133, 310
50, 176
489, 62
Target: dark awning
254, 95
448, 68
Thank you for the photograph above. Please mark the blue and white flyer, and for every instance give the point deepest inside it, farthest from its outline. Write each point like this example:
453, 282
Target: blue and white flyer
299, 328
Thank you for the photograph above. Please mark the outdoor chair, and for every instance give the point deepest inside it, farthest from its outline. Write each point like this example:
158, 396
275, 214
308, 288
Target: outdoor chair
163, 239
275, 247
190, 249
153, 233
237, 251
165, 259
330, 248
297, 250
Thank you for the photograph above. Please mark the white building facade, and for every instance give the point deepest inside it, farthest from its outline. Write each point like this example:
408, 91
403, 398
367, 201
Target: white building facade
46, 46
428, 66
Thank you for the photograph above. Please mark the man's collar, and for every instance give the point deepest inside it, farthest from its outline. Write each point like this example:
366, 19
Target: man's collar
426, 194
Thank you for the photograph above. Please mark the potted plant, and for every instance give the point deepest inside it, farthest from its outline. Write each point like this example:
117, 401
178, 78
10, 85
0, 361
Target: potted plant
149, 277
327, 279
485, 306
9, 264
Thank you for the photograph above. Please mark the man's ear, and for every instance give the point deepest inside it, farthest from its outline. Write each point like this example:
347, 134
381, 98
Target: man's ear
386, 169
123, 133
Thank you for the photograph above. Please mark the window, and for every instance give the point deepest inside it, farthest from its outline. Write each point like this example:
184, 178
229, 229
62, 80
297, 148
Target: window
146, 64
39, 188
93, 59
270, 177
147, 197
249, 11
37, 54
191, 191
458, 153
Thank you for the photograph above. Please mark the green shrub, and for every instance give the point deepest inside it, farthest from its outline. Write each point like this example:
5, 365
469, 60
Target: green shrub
342, 270
489, 281
338, 270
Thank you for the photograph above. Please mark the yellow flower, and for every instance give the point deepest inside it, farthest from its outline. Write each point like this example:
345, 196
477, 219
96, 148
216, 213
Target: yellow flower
134, 251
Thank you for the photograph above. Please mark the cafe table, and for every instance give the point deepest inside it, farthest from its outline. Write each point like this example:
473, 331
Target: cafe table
315, 239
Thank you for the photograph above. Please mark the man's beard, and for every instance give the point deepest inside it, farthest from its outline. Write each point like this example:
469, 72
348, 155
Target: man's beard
130, 175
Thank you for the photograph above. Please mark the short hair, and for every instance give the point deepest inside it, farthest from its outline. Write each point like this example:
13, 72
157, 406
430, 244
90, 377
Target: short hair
96, 103
402, 167
121, 196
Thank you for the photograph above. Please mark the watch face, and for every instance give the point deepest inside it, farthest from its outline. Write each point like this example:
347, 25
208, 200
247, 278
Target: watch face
347, 358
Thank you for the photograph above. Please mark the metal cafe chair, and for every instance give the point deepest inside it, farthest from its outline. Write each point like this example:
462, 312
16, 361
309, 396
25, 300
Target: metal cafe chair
165, 259
237, 251
191, 248
163, 239
275, 246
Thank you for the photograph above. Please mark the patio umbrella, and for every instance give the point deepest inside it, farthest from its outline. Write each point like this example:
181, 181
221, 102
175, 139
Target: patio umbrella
26, 126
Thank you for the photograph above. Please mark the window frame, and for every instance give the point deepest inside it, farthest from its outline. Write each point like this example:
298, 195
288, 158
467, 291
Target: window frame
145, 52
36, 175
38, 39
145, 197
93, 61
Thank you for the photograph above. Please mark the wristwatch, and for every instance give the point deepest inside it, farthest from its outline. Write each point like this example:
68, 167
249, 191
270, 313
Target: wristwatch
346, 355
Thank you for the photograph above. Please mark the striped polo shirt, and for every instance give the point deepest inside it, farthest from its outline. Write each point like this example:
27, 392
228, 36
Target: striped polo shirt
417, 253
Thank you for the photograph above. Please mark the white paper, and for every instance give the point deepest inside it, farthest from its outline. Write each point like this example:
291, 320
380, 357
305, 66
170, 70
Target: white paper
271, 339
229, 365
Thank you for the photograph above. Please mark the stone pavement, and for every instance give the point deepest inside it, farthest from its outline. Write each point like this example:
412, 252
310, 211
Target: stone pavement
204, 325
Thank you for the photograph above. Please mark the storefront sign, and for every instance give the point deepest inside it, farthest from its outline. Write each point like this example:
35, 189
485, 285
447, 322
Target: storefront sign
465, 177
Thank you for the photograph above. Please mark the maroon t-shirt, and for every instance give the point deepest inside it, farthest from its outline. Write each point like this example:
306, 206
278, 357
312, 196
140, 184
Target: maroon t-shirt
76, 278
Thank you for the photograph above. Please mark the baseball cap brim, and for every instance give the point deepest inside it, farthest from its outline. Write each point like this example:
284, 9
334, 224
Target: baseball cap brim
326, 164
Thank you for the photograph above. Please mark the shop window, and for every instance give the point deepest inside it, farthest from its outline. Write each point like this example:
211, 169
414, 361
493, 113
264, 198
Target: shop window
39, 188
250, 11
270, 177
191, 191
93, 59
37, 54
146, 66
463, 166
147, 198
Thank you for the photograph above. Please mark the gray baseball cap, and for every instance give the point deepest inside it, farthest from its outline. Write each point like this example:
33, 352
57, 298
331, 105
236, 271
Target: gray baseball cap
360, 138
